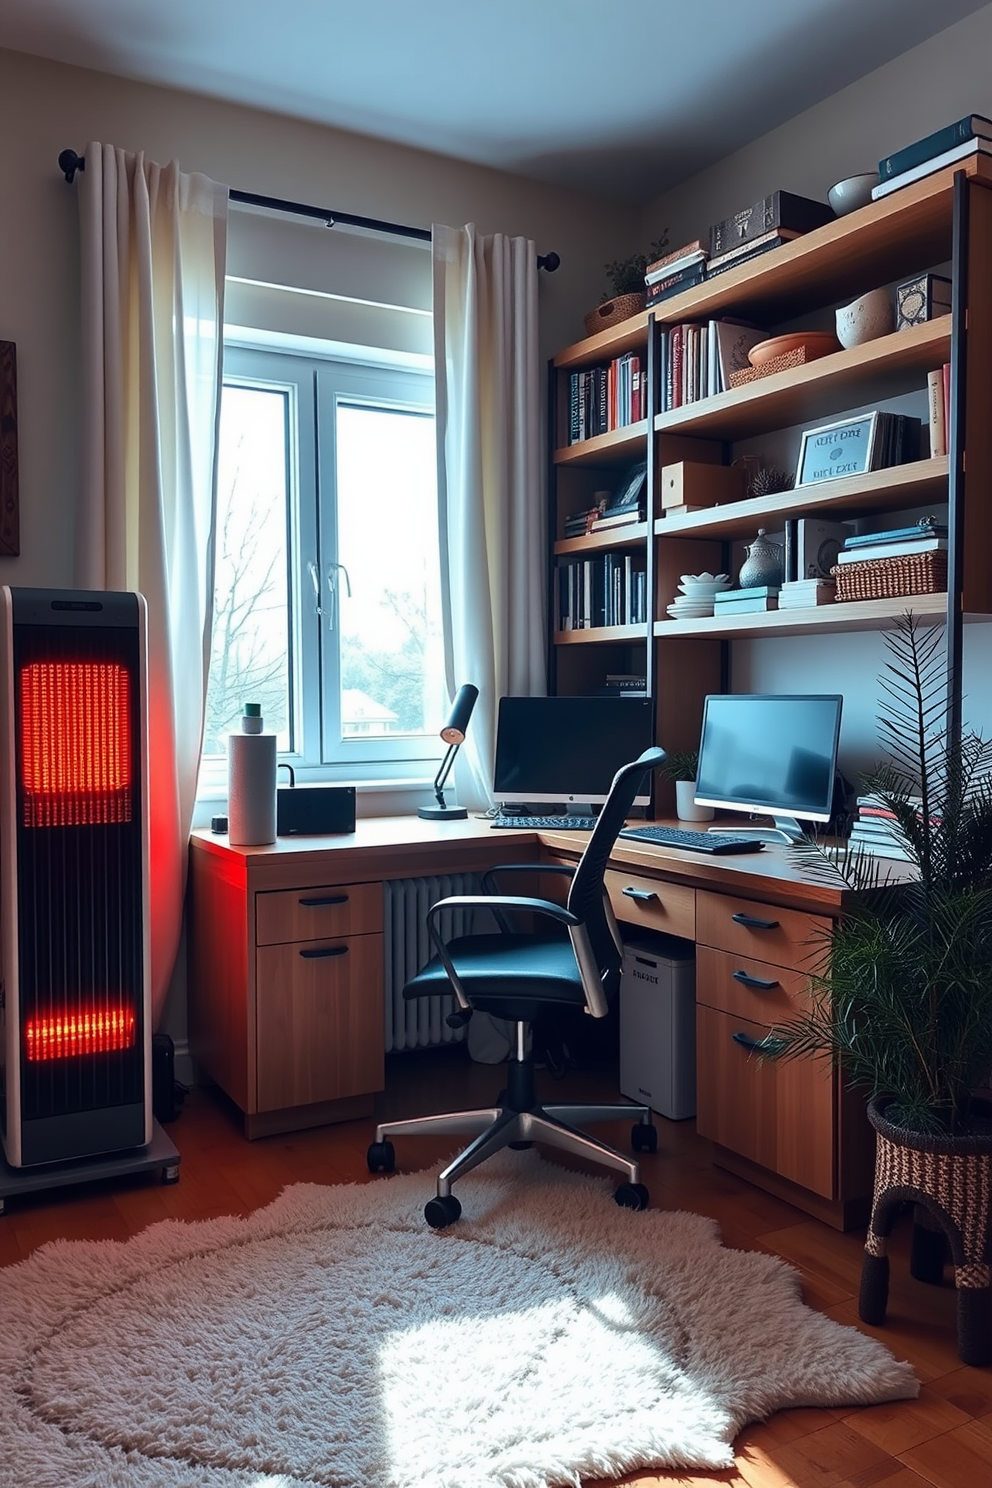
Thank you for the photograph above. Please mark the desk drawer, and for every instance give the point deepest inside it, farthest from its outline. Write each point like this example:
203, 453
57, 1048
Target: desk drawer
745, 987
781, 1116
785, 937
309, 914
652, 904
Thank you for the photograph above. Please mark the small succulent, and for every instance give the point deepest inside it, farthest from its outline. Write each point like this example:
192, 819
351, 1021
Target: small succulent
626, 275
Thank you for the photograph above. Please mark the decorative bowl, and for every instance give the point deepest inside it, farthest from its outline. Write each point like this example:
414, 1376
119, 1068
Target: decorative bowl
867, 318
851, 193
704, 578
814, 343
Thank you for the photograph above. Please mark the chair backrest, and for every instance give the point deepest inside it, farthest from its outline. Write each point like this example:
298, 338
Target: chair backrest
585, 896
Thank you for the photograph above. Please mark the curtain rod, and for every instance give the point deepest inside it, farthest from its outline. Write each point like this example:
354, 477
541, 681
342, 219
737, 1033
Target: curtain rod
70, 162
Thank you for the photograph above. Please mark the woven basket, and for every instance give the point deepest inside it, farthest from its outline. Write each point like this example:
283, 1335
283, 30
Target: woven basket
892, 578
783, 363
611, 312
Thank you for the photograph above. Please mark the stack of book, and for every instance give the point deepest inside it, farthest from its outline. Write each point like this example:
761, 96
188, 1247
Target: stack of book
876, 829
746, 601
773, 220
630, 684
679, 270
800, 594
604, 398
696, 359
939, 407
609, 589
926, 536
966, 137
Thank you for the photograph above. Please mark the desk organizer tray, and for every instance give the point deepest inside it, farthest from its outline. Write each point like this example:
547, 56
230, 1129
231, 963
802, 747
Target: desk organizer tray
892, 578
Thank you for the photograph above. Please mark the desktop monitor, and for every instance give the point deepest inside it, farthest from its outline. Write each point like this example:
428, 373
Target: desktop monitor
567, 749
775, 755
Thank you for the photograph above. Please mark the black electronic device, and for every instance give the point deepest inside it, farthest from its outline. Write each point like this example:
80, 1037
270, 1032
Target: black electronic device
314, 810
568, 749
707, 842
772, 754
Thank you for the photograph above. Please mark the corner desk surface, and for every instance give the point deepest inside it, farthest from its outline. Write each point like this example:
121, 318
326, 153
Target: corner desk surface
286, 982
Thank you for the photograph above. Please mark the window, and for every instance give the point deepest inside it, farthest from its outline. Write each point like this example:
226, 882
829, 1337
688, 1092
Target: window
327, 594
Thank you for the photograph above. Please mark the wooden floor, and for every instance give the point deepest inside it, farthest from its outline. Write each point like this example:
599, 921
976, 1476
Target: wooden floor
943, 1439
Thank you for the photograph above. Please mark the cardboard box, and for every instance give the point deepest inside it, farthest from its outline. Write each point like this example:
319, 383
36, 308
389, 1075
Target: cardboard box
691, 484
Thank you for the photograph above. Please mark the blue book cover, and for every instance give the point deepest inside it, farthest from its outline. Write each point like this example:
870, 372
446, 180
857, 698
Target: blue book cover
970, 127
897, 534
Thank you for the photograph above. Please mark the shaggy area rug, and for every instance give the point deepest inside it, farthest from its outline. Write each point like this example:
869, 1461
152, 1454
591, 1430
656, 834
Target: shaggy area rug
331, 1340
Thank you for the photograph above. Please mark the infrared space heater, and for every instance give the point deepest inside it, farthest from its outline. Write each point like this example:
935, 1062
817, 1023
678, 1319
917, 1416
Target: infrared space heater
75, 1034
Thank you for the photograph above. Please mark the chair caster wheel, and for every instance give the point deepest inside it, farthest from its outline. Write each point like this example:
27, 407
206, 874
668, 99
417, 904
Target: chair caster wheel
632, 1196
644, 1138
440, 1212
381, 1157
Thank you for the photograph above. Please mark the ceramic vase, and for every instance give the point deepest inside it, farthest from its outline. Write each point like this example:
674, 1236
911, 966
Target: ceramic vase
865, 319
763, 564
685, 807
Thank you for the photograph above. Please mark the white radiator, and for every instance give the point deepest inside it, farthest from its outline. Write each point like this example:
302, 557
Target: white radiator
419, 1024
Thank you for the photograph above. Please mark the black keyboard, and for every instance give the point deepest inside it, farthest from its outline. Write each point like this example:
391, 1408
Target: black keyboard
547, 823
707, 842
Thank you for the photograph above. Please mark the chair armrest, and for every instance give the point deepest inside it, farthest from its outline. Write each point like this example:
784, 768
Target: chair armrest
489, 880
485, 901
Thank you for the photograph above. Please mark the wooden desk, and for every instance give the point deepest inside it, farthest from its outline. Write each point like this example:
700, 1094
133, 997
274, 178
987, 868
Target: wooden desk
286, 984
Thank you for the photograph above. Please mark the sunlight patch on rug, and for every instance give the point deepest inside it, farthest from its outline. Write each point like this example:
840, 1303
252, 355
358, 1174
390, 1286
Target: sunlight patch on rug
332, 1340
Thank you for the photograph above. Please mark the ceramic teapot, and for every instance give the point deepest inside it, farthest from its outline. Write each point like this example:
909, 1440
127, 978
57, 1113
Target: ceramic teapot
763, 564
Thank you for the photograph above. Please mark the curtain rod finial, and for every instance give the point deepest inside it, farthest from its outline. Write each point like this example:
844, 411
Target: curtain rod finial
548, 261
69, 163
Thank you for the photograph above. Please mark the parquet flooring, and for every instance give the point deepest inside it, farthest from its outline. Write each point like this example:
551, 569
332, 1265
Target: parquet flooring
941, 1440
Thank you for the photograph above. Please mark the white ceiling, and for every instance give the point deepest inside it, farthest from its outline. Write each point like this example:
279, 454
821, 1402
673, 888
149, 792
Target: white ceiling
626, 98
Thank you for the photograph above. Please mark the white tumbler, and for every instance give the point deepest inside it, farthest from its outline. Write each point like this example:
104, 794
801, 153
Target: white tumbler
251, 782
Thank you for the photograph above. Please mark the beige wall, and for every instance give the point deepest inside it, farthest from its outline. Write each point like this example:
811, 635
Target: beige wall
46, 107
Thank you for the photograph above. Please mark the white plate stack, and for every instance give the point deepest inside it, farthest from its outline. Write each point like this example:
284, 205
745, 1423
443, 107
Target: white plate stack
695, 598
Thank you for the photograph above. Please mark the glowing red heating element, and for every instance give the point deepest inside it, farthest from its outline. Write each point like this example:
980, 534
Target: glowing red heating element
70, 1035
76, 743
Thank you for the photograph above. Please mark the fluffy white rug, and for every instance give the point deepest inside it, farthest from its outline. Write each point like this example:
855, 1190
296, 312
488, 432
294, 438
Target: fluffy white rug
332, 1339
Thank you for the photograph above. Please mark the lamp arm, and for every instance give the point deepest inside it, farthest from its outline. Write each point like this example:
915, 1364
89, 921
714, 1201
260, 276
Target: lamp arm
444, 772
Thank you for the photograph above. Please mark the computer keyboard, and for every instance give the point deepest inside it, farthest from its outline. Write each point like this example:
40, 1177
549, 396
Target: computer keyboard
547, 823
707, 842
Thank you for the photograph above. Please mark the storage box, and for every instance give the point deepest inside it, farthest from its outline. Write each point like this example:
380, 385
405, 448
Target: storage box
923, 298
658, 1025
692, 484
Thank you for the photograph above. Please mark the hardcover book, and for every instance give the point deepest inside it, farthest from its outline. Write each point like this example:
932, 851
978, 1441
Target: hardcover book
934, 163
696, 246
778, 209
665, 270
972, 126
673, 284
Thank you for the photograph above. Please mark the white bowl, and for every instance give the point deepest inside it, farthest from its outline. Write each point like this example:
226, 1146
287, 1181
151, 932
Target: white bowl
851, 193
698, 588
703, 578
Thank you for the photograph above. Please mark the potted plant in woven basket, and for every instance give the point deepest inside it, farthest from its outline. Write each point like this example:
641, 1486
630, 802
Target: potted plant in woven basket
629, 295
902, 995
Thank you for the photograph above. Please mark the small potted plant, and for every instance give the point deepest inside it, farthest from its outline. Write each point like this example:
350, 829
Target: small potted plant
627, 294
901, 997
681, 765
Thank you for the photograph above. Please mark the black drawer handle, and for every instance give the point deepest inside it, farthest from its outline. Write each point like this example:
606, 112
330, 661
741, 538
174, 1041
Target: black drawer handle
767, 1045
751, 981
317, 951
643, 896
325, 899
753, 923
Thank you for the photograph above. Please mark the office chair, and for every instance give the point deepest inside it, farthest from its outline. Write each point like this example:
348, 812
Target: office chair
517, 975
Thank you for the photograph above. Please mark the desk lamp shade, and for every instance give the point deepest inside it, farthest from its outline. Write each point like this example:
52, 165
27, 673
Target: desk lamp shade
453, 734
75, 1046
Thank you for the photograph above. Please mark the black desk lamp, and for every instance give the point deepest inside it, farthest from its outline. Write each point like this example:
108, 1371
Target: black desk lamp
453, 735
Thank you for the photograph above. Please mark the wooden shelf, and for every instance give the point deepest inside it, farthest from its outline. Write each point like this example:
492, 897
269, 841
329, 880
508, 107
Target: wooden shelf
860, 614
631, 536
922, 483
845, 379
604, 449
600, 635
626, 335
903, 234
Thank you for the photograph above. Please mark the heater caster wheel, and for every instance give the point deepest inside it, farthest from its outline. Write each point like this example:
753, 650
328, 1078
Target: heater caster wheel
644, 1138
381, 1157
171, 1173
442, 1212
632, 1196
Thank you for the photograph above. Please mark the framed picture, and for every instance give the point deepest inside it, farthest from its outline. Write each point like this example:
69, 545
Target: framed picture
10, 544
846, 448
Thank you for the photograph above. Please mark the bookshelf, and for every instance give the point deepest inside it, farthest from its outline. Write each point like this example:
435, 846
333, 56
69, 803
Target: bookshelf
944, 217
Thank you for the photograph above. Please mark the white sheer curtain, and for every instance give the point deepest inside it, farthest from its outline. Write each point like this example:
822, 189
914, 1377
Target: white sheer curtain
491, 502
153, 245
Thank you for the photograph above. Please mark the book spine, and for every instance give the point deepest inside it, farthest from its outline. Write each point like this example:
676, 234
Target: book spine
933, 164
675, 283
734, 261
935, 407
932, 144
573, 408
676, 360
946, 382
791, 574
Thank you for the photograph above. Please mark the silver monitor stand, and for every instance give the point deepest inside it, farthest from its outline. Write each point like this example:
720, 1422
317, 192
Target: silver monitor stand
784, 829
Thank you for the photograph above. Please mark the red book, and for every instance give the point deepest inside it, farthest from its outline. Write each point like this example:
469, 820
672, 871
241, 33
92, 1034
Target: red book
677, 339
